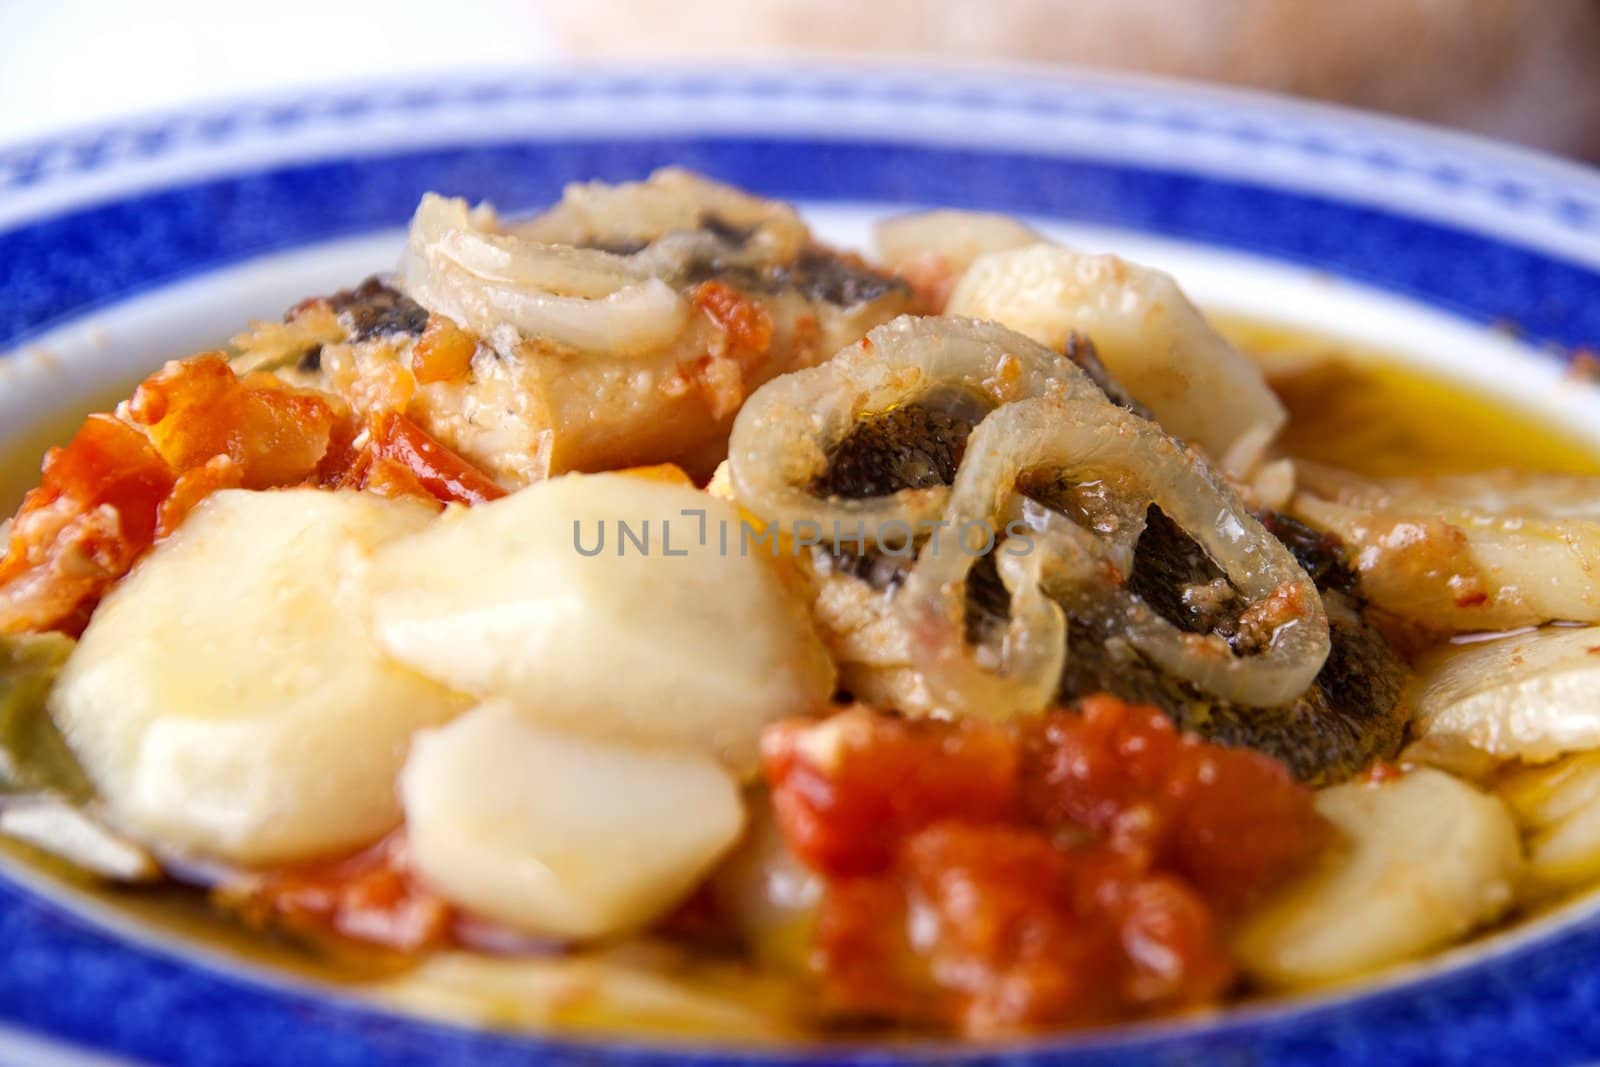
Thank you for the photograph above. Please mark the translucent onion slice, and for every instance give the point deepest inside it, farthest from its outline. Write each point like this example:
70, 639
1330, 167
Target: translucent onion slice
1529, 696
1151, 338
669, 201
955, 238
783, 435
455, 265
1085, 438
1504, 493
1465, 553
1558, 806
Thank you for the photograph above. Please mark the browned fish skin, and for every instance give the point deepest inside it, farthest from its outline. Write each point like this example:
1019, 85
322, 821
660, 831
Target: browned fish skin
1348, 718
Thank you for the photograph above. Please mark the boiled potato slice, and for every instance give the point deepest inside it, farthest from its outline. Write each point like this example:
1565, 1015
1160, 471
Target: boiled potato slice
1147, 333
558, 833
1425, 860
1559, 808
1528, 696
228, 697
671, 639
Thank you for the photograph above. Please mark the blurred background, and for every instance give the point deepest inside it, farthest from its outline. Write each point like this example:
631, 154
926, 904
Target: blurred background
1523, 70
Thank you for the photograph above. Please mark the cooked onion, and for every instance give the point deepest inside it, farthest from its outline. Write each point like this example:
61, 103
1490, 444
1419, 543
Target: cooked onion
1465, 553
1504, 493
1529, 696
1152, 340
671, 200
1085, 437
782, 437
955, 238
589, 300
1558, 806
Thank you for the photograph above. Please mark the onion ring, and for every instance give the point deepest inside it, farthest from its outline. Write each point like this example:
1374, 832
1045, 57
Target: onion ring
593, 301
1085, 436
781, 439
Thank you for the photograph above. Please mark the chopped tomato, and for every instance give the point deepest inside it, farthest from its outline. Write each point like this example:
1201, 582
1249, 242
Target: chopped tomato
847, 791
1227, 819
193, 486
387, 478
1077, 867
191, 429
745, 323
121, 483
370, 897
446, 476
443, 353
92, 515
196, 409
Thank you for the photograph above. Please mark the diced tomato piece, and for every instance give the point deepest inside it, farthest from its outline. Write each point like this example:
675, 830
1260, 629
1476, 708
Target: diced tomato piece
1230, 820
848, 790
1241, 826
1102, 769
443, 353
989, 928
193, 486
744, 322
196, 409
190, 429
440, 471
1172, 952
1072, 868
394, 480
370, 897
1003, 933
92, 515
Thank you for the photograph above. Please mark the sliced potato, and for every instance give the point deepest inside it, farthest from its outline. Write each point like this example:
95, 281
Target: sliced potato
1425, 860
228, 697
688, 641
1559, 808
1529, 696
1511, 493
1147, 333
558, 833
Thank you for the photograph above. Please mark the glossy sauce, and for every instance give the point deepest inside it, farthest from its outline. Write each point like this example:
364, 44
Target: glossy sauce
1353, 408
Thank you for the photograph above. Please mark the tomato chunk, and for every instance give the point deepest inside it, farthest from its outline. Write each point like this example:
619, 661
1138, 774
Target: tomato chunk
126, 480
1227, 819
847, 791
396, 439
92, 515
1078, 867
370, 897
195, 410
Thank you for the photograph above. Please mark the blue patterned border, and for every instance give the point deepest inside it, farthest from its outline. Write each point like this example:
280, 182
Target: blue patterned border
64, 266
1203, 114
1538, 1002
